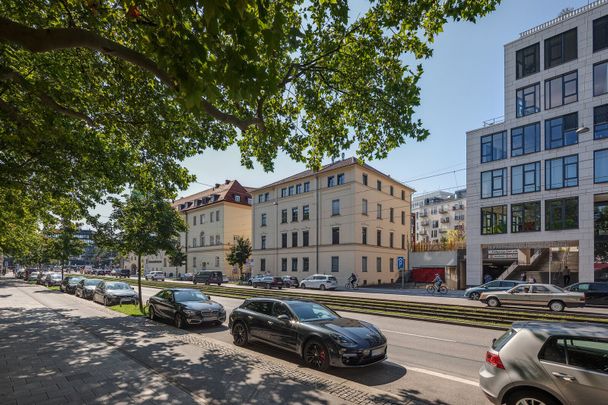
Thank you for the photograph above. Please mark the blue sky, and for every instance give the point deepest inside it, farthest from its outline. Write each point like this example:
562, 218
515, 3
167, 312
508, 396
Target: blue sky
462, 86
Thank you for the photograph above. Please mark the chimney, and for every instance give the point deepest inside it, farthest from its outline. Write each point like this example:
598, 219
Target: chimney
227, 181
216, 185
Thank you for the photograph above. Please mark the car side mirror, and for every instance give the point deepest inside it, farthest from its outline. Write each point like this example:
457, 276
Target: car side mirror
284, 318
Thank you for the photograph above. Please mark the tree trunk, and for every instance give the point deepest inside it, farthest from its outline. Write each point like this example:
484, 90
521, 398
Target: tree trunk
240, 272
141, 304
62, 262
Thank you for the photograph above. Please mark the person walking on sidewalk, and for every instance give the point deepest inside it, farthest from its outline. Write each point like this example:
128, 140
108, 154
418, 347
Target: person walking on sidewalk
566, 273
522, 277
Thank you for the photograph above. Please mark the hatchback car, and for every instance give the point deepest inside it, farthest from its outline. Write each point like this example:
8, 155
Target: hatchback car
69, 284
114, 292
321, 337
291, 281
548, 363
269, 282
185, 276
155, 276
185, 306
42, 277
86, 288
497, 285
32, 276
52, 279
254, 278
320, 281
543, 295
124, 273
208, 277
595, 293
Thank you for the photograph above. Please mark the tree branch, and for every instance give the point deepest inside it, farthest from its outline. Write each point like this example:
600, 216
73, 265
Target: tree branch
52, 39
7, 73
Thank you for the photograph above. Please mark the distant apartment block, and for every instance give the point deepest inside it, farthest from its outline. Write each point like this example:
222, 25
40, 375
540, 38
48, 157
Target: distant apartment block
215, 217
346, 218
537, 181
437, 213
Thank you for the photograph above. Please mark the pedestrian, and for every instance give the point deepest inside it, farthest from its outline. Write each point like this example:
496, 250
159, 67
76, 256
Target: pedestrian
487, 278
533, 280
523, 276
566, 276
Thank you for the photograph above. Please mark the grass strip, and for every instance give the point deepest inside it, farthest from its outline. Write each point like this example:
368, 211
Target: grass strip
128, 309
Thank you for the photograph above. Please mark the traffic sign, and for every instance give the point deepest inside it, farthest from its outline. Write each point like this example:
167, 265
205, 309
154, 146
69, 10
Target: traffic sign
400, 263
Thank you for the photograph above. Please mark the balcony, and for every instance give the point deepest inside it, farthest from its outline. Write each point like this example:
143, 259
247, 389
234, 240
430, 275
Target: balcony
424, 222
443, 210
424, 214
458, 207
443, 230
445, 220
423, 232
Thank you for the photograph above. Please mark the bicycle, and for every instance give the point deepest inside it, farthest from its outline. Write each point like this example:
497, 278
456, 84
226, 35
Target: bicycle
354, 285
432, 289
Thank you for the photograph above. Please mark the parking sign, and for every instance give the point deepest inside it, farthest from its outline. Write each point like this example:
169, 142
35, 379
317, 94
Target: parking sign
400, 263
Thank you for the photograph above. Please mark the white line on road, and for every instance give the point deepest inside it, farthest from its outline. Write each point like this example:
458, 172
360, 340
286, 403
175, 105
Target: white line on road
421, 336
442, 375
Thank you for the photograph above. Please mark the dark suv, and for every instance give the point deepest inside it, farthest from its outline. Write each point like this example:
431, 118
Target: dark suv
208, 277
595, 293
124, 273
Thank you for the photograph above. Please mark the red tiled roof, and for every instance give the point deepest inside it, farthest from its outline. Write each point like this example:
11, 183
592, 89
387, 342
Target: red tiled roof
224, 192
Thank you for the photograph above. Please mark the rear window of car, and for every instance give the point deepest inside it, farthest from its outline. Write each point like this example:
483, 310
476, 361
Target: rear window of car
332, 279
499, 343
599, 286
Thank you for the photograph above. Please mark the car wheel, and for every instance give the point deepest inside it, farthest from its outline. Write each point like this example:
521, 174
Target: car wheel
322, 287
493, 302
194, 282
474, 296
302, 285
316, 355
267, 286
530, 397
151, 313
556, 306
240, 337
254, 285
106, 302
179, 322
280, 288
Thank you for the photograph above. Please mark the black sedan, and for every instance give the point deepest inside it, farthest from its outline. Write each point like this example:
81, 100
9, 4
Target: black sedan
185, 306
114, 292
596, 294
69, 284
86, 288
317, 334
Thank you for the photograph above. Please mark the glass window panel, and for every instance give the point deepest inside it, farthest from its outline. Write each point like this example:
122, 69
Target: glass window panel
600, 78
601, 166
600, 34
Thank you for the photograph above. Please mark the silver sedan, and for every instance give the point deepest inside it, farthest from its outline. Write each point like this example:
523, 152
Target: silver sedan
543, 295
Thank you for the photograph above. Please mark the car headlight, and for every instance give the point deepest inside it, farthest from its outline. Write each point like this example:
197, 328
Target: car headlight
189, 312
343, 340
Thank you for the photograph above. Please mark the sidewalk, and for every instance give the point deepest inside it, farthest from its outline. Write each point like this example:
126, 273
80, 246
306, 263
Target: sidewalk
56, 349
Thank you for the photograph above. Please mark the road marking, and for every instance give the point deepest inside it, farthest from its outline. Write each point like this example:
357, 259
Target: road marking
421, 336
442, 375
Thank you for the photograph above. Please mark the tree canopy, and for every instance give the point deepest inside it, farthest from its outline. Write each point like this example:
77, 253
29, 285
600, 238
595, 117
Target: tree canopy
239, 252
100, 95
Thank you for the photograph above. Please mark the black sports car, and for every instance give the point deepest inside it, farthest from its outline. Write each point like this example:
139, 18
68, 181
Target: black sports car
311, 330
185, 306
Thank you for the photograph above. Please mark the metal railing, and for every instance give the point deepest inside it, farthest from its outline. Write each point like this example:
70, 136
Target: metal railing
562, 18
437, 246
495, 120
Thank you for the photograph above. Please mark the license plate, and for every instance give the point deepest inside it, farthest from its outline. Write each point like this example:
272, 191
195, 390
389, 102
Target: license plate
377, 352
210, 318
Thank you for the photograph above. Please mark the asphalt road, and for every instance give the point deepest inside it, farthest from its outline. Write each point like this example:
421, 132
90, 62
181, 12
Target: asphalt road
439, 362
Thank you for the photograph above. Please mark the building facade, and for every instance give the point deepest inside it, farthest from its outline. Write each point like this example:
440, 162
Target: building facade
215, 217
537, 183
437, 213
346, 218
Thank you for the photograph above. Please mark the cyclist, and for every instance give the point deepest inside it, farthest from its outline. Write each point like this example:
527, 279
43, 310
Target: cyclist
437, 281
352, 280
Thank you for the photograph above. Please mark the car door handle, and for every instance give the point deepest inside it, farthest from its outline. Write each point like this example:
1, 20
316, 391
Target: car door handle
564, 377
270, 322
249, 317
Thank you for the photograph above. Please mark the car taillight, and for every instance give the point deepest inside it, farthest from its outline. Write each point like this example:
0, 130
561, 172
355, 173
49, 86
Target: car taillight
494, 360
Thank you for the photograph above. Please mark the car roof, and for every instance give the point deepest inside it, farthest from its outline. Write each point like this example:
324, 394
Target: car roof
571, 329
181, 289
280, 299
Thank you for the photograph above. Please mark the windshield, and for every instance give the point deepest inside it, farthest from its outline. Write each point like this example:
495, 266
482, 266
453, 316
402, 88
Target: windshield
183, 296
311, 311
74, 280
118, 286
92, 282
56, 276
503, 340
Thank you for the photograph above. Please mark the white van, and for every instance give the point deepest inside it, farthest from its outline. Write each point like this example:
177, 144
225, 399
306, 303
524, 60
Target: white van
320, 281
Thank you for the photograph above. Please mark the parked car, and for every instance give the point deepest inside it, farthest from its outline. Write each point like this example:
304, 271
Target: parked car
311, 330
320, 281
86, 288
155, 276
290, 281
544, 295
185, 276
41, 277
208, 277
52, 279
474, 293
32, 276
256, 277
595, 293
547, 363
20, 273
185, 306
69, 284
269, 282
124, 273
114, 292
